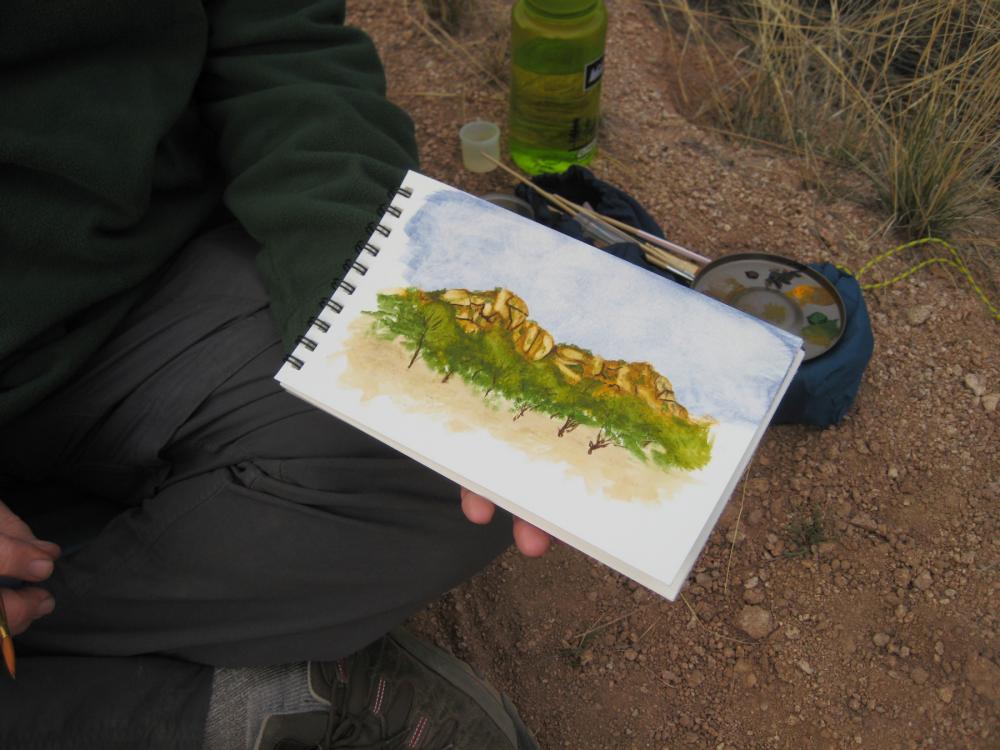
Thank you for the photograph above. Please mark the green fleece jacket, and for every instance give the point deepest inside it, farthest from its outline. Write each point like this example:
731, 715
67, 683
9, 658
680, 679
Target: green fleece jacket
125, 124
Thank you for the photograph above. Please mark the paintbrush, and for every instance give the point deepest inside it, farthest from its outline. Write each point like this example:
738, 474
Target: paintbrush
670, 255
7, 642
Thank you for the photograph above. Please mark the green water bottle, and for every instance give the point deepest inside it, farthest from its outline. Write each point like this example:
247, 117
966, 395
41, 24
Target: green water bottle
557, 62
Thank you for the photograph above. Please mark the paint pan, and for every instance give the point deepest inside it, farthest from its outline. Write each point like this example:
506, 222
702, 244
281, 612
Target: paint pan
781, 291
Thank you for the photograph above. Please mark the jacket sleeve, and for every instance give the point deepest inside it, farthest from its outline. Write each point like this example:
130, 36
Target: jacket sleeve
307, 141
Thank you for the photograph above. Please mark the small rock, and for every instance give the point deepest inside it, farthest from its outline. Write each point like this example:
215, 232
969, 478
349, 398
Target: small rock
755, 622
695, 678
984, 676
893, 472
918, 314
946, 693
791, 633
990, 401
753, 596
864, 521
902, 577
881, 639
919, 675
924, 581
774, 545
631, 654
587, 656
805, 667
975, 384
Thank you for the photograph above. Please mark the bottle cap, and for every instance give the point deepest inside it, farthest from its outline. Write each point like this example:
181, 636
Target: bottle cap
563, 7
479, 137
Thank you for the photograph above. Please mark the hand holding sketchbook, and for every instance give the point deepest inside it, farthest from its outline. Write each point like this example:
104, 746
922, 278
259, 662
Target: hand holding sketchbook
608, 406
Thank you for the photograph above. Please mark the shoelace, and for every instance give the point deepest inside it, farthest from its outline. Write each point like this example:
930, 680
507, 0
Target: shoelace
343, 731
344, 736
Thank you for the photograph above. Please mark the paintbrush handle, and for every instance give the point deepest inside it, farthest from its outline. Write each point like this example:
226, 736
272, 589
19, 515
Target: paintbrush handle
573, 208
6, 641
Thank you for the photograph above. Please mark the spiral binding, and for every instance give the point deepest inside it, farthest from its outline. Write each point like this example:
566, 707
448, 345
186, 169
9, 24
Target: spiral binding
352, 264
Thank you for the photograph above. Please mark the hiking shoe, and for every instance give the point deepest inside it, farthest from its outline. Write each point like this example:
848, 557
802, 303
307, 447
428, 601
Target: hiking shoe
399, 693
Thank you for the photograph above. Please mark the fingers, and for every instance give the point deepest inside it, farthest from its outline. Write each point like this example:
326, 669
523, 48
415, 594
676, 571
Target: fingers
24, 606
531, 540
14, 527
476, 507
25, 560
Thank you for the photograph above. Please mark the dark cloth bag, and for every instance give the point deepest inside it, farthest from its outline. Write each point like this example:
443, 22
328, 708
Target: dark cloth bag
822, 390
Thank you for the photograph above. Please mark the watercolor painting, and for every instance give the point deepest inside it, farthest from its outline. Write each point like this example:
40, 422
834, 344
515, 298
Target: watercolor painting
596, 405
607, 405
488, 340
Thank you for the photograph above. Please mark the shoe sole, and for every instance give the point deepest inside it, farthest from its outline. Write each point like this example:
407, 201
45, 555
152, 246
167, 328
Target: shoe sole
497, 706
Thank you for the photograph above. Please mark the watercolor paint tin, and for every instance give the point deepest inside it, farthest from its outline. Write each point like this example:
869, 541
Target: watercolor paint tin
781, 291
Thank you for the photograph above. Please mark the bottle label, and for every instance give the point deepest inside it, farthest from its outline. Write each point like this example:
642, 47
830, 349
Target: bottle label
593, 73
556, 112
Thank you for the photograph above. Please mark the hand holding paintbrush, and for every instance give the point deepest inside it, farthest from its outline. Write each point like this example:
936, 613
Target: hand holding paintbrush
25, 558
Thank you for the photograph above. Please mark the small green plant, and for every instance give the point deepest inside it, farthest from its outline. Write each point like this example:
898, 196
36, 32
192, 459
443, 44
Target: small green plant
806, 532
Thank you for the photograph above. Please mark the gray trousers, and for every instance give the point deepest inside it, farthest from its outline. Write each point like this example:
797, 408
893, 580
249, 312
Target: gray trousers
208, 519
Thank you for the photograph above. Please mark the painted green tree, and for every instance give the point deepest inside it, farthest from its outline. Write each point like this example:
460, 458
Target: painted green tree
488, 361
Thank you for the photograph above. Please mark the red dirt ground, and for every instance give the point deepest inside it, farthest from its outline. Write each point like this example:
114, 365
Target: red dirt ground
881, 635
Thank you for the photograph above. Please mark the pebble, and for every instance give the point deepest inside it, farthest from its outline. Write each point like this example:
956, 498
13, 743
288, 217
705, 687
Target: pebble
902, 577
805, 666
946, 693
631, 654
990, 401
864, 521
918, 314
881, 639
924, 581
753, 596
755, 622
919, 675
975, 384
774, 545
984, 676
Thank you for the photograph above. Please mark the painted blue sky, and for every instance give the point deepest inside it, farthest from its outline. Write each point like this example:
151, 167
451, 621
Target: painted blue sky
720, 361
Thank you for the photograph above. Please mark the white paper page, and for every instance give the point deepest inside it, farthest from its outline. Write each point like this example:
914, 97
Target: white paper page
725, 368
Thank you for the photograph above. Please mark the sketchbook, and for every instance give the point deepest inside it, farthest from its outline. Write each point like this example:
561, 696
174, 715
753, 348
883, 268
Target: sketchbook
609, 406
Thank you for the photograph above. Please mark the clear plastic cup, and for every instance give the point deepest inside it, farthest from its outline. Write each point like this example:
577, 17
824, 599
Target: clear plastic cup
479, 137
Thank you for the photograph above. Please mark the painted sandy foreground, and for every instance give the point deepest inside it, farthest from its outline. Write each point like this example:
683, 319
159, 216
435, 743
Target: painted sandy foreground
379, 368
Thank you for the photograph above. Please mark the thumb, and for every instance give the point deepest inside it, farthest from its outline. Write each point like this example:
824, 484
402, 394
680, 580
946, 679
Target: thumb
26, 605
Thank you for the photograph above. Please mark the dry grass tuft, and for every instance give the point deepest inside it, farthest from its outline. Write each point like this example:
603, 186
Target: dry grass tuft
908, 92
448, 13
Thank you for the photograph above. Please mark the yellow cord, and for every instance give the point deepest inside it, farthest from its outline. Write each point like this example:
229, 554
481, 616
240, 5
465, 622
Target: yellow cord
955, 262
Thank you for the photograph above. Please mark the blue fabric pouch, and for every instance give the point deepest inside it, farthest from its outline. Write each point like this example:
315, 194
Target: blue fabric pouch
822, 390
